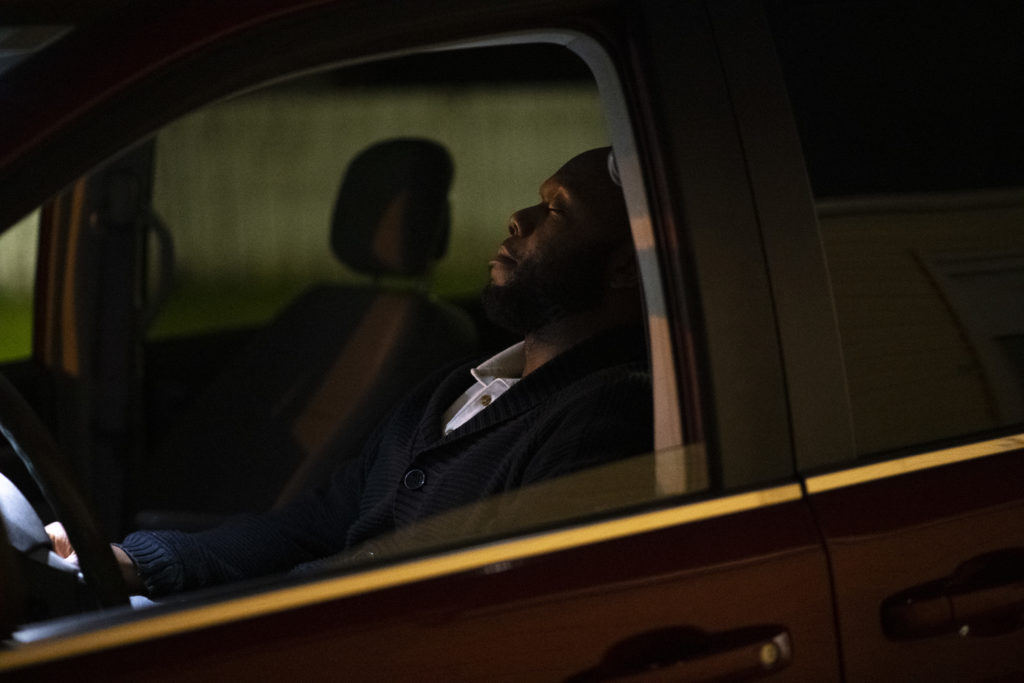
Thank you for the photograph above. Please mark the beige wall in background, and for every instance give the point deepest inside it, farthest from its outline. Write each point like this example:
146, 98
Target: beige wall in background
18, 257
247, 186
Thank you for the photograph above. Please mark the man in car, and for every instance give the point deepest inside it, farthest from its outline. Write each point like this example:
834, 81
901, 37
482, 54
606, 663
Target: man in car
573, 394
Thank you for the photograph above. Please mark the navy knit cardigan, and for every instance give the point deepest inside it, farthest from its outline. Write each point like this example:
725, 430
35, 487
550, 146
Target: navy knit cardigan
589, 405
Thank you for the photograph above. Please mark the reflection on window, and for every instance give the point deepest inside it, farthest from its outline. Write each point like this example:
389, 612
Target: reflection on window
630, 484
985, 292
928, 293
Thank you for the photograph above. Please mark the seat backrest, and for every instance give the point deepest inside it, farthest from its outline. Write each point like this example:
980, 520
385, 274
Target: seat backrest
313, 384
391, 216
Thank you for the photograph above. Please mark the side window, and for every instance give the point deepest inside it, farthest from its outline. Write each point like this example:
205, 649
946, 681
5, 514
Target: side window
244, 197
916, 159
208, 282
17, 275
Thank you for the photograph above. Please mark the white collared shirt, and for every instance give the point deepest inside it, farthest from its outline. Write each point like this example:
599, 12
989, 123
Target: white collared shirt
494, 377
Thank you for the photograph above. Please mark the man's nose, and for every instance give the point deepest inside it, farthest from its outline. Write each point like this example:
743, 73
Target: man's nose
519, 224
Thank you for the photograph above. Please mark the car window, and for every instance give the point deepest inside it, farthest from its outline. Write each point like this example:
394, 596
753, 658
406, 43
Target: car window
909, 121
17, 278
242, 199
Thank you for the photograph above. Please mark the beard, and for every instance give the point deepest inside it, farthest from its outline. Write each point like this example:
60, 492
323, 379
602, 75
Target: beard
543, 290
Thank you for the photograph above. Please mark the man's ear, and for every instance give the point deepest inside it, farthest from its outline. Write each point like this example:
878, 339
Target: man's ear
622, 269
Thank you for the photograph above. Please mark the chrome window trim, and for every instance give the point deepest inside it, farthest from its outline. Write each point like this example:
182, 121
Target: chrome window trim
913, 463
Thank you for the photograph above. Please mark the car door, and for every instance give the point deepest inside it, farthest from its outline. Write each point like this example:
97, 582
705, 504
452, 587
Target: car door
908, 123
715, 569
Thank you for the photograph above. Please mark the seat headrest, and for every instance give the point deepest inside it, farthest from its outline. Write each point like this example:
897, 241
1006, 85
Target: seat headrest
392, 216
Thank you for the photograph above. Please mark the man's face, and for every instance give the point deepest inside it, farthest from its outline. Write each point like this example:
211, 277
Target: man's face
555, 262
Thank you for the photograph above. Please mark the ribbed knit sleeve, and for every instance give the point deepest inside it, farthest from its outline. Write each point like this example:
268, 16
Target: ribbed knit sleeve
249, 546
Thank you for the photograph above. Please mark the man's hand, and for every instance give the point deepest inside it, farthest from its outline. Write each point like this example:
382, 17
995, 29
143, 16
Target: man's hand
61, 543
62, 546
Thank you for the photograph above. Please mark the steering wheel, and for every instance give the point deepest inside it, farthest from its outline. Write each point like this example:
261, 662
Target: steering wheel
37, 449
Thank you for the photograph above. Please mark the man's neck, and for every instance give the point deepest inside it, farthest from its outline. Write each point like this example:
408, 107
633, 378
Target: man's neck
558, 337
539, 348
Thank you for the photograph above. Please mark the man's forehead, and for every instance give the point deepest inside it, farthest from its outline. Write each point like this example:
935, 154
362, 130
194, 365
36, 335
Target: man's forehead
553, 186
573, 182
583, 174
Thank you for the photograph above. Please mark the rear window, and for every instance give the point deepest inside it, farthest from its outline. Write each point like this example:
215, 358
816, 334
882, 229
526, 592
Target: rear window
910, 123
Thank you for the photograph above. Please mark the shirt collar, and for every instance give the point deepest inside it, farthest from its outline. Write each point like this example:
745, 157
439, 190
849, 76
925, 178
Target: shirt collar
507, 364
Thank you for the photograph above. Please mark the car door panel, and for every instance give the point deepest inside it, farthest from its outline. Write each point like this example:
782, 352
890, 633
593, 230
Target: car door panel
733, 596
927, 570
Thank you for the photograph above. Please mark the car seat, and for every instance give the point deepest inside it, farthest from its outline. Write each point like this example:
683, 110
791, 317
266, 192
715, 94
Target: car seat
307, 391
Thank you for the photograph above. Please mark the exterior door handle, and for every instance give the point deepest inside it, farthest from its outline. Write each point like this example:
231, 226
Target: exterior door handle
690, 654
984, 596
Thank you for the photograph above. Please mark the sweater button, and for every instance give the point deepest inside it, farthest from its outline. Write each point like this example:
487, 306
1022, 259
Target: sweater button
414, 479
